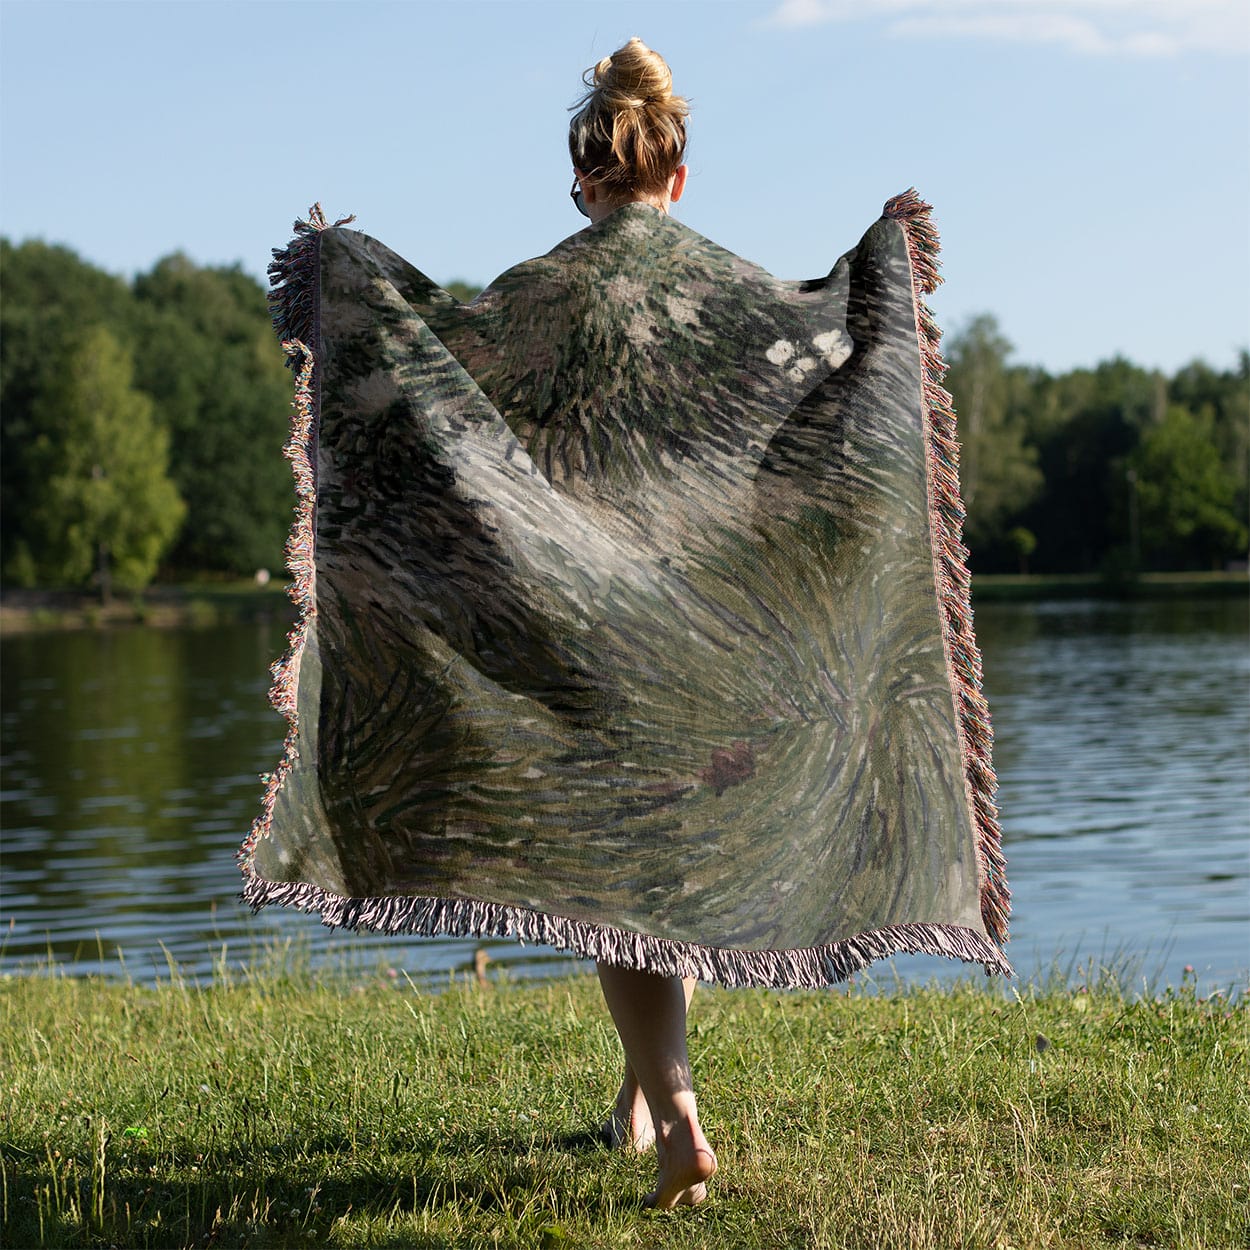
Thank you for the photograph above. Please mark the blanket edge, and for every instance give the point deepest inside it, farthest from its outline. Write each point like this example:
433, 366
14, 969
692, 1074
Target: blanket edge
294, 275
812, 967
954, 580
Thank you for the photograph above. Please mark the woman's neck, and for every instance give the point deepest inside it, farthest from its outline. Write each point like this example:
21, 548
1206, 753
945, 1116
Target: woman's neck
602, 208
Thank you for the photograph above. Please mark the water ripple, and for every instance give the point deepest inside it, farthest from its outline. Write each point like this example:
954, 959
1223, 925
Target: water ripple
131, 763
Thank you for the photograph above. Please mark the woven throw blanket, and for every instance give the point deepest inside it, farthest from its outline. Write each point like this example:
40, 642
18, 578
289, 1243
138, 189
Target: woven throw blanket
634, 615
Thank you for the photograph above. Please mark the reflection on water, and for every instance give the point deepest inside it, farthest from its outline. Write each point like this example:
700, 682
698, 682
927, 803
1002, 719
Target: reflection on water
131, 762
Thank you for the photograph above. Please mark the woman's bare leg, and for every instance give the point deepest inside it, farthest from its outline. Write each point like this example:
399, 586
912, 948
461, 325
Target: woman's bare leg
629, 1125
650, 1015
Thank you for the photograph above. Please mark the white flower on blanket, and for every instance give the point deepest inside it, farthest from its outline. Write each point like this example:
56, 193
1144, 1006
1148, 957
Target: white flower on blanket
834, 346
780, 353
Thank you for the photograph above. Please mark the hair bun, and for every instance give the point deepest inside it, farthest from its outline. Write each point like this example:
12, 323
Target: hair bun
634, 76
629, 131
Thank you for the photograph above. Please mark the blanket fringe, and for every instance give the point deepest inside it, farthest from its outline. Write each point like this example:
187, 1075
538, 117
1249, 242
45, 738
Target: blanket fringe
294, 275
808, 968
295, 282
954, 583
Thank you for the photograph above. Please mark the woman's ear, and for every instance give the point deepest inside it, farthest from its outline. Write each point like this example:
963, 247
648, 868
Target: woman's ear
588, 186
678, 184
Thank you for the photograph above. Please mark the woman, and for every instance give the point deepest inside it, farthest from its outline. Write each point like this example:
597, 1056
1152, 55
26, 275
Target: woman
628, 142
635, 615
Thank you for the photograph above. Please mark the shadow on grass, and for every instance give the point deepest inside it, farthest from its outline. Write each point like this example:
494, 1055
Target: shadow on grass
263, 1196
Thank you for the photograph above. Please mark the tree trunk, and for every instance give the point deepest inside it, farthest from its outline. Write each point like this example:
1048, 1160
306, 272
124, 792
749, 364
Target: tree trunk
104, 574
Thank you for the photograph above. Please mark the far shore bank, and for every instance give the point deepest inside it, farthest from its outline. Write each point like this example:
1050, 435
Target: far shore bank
204, 604
177, 605
198, 604
1003, 587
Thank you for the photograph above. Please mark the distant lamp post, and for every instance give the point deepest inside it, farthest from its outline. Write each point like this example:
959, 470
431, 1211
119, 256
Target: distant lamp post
1134, 522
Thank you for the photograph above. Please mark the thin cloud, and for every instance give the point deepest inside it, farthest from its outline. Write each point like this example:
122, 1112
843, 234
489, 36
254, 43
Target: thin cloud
1136, 28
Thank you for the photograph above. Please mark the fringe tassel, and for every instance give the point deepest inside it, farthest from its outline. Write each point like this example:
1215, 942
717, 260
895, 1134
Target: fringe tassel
809, 968
954, 584
294, 281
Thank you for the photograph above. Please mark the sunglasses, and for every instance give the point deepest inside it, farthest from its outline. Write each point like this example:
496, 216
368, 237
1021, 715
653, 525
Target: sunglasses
576, 196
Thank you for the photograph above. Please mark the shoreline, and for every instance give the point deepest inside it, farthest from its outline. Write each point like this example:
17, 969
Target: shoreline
1034, 587
172, 606
203, 604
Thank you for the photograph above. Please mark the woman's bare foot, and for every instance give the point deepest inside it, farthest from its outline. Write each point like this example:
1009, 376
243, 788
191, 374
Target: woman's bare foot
629, 1125
686, 1165
649, 1012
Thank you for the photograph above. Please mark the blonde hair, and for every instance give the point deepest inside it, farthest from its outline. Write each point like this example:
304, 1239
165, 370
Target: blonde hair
629, 133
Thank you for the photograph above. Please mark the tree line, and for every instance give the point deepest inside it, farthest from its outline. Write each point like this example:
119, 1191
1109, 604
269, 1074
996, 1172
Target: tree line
1113, 470
142, 423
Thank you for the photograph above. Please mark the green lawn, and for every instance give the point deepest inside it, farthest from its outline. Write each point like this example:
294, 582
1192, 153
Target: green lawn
292, 1110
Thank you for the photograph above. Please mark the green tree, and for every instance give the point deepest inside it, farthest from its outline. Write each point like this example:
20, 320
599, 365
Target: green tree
464, 291
1024, 543
208, 357
1223, 399
1085, 424
997, 467
51, 297
1185, 495
105, 505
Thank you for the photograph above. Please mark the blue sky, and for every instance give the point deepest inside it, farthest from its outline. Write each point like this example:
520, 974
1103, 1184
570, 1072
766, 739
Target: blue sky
1089, 160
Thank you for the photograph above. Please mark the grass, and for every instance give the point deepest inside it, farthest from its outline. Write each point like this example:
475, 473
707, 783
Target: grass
288, 1109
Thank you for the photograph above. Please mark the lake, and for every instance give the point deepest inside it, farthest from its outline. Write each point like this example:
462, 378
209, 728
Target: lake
131, 759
